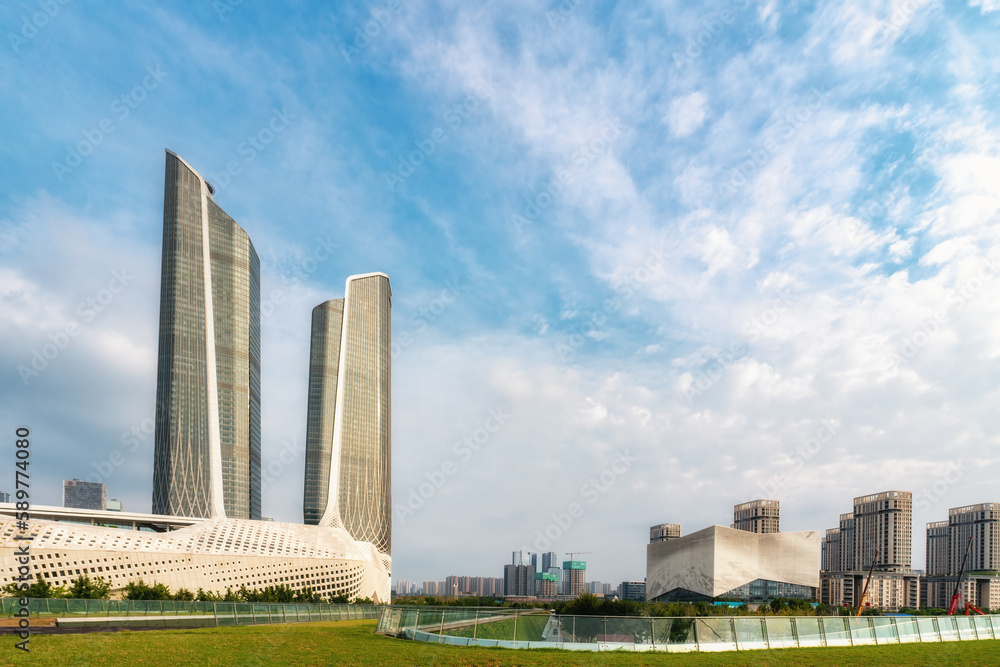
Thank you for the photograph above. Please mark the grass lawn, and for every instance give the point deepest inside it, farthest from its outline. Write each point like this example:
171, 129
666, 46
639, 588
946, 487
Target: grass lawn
353, 643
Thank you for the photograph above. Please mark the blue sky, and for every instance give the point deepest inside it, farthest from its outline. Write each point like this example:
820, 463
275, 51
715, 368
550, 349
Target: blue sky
710, 252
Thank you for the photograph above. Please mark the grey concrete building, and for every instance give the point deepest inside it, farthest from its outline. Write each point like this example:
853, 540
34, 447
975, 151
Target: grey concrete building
719, 562
206, 460
348, 479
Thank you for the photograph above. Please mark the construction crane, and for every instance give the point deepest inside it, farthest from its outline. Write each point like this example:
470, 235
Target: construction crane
573, 553
957, 594
864, 593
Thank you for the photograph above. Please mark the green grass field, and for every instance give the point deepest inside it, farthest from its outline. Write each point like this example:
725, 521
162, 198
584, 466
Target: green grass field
353, 643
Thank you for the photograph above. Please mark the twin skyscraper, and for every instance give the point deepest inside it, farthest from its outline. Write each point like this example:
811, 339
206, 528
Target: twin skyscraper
207, 458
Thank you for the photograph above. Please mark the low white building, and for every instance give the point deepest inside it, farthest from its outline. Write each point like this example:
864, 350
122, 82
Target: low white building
211, 554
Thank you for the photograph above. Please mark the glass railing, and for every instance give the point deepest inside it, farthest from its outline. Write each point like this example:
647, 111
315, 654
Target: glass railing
223, 613
536, 628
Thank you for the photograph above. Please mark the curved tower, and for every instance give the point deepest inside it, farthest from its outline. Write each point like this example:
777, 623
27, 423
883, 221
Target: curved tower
348, 432
207, 444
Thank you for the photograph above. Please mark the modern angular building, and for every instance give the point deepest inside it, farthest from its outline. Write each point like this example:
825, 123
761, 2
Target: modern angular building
84, 495
348, 430
725, 563
207, 439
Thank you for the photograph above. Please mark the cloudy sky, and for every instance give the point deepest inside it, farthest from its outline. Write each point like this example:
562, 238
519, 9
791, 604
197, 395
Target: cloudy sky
648, 260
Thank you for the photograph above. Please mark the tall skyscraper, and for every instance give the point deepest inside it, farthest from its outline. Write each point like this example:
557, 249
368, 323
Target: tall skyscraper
757, 516
348, 425
207, 443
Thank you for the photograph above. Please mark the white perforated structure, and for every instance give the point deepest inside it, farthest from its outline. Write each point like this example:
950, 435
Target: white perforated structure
214, 555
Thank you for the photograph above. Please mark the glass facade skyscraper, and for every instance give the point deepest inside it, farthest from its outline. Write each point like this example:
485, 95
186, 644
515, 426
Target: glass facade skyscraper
348, 428
207, 439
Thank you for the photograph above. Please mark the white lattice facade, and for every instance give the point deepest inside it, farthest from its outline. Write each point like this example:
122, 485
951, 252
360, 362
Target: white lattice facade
213, 555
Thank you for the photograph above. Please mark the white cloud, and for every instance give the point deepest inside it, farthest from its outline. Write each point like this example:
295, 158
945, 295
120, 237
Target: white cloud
686, 114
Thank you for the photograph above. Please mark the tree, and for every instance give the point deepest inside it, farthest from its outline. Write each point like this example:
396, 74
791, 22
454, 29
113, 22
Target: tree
85, 588
184, 594
139, 590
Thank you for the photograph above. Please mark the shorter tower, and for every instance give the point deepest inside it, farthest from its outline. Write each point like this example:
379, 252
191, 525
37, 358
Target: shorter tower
348, 425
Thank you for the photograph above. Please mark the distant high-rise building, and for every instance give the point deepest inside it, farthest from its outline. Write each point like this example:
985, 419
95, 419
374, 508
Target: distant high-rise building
632, 590
982, 523
883, 522
430, 588
207, 439
115, 506
84, 495
757, 516
348, 430
937, 549
549, 560
4, 497
545, 585
831, 552
518, 580
664, 531
847, 555
574, 577
520, 557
